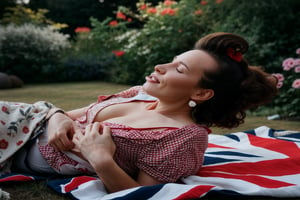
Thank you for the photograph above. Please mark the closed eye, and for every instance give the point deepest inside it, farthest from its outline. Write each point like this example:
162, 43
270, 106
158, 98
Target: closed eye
178, 70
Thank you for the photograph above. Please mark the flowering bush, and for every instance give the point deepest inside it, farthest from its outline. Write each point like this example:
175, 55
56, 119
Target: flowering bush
29, 50
160, 32
288, 102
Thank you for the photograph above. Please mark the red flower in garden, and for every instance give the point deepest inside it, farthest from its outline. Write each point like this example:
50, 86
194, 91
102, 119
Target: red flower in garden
113, 23
203, 2
3, 144
118, 53
82, 30
129, 19
219, 1
143, 7
120, 15
169, 2
25, 129
5, 109
168, 11
151, 10
198, 12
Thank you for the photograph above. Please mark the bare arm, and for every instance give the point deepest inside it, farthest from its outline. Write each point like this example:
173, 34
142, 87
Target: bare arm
73, 114
98, 148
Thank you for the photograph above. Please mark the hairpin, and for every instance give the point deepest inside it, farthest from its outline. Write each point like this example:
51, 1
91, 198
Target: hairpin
235, 54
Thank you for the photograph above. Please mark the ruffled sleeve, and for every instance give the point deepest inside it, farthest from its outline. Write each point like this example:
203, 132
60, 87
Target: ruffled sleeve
178, 155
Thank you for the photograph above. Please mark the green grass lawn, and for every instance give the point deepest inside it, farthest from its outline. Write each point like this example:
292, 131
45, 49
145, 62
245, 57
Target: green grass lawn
75, 95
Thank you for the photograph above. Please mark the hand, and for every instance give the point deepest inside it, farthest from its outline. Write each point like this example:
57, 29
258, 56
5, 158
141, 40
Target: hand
96, 145
60, 131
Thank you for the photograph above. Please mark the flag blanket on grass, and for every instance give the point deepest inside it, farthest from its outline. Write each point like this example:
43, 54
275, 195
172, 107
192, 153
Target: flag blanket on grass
260, 162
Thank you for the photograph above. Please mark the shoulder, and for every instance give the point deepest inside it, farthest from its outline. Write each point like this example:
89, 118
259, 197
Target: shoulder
131, 92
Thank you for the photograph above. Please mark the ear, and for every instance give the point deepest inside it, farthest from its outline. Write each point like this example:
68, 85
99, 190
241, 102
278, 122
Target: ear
201, 94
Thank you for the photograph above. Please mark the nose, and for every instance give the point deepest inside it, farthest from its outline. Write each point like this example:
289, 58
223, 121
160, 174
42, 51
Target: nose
160, 69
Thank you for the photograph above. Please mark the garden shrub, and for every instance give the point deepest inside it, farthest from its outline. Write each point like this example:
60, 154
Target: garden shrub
27, 49
169, 28
86, 67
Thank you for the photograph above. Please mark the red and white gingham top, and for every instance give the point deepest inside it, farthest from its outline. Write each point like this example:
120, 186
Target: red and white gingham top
165, 153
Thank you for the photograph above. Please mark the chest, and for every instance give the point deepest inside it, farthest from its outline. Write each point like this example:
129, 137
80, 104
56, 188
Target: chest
135, 114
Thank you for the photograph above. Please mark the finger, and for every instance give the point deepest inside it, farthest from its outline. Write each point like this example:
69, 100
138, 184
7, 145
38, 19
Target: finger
106, 130
96, 127
66, 143
88, 128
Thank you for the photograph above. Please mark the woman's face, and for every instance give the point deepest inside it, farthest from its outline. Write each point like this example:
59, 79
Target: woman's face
177, 80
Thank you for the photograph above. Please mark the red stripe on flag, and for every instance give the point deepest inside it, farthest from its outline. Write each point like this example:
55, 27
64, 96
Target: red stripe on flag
210, 145
17, 178
195, 192
75, 182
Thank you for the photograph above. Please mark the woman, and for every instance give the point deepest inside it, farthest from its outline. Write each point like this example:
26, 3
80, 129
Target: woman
155, 133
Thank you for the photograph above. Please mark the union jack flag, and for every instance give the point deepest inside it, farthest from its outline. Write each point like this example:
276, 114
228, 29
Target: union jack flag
260, 162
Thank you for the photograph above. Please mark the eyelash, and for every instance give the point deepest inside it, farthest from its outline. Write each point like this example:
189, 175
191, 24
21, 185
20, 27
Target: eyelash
178, 70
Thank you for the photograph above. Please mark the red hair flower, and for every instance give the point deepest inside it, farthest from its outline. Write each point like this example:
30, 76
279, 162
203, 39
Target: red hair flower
235, 54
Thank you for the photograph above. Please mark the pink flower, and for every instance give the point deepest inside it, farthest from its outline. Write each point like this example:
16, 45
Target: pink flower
169, 2
297, 62
296, 84
297, 69
120, 15
118, 53
82, 30
113, 23
298, 51
279, 76
168, 11
129, 19
288, 64
280, 79
3, 144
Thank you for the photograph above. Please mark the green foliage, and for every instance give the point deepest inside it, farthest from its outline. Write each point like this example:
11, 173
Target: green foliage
28, 50
169, 28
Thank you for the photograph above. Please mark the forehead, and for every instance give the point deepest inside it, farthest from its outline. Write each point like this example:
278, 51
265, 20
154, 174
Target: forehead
197, 58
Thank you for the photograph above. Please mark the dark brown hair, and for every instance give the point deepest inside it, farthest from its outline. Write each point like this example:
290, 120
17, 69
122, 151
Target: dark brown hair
237, 86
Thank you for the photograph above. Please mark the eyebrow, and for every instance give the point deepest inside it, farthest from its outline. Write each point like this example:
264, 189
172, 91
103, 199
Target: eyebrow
183, 63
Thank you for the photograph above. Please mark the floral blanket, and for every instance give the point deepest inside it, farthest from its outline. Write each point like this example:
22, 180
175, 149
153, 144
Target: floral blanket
259, 162
19, 122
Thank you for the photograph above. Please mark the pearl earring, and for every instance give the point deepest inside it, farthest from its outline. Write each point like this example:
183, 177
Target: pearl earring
192, 104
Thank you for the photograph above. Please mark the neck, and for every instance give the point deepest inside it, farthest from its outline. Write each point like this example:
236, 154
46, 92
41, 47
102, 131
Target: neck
171, 109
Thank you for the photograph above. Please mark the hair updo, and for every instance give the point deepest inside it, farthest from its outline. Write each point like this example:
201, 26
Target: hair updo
237, 86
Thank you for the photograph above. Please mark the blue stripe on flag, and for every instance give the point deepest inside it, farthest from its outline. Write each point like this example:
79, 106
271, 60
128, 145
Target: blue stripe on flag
142, 193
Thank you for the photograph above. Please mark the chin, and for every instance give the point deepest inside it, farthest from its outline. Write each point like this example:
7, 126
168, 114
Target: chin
149, 89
